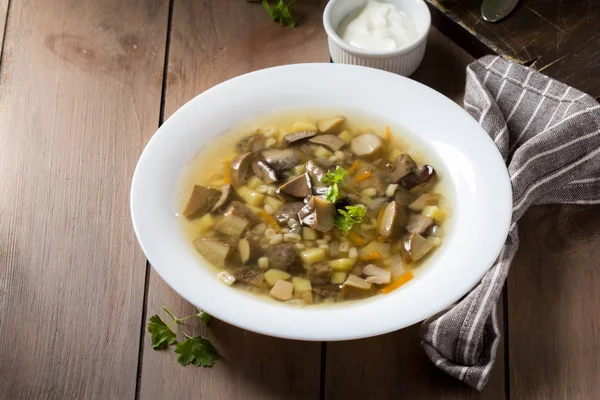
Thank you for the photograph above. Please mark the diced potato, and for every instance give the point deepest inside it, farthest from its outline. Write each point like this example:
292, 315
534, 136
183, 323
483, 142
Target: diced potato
251, 197
282, 290
309, 234
338, 278
313, 255
274, 275
434, 212
254, 182
394, 154
330, 125
273, 202
205, 224
436, 241
375, 247
342, 264
299, 126
299, 169
346, 137
322, 152
301, 285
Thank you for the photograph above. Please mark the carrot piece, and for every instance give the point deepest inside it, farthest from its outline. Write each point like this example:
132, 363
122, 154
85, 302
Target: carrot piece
381, 239
372, 256
379, 216
226, 172
364, 176
388, 133
353, 168
270, 220
405, 277
356, 238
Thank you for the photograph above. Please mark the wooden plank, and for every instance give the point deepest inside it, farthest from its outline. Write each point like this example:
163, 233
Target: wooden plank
3, 17
211, 42
559, 38
394, 365
553, 302
80, 93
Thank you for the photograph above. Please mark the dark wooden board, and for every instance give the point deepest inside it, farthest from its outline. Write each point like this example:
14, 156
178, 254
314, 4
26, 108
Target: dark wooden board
560, 38
79, 96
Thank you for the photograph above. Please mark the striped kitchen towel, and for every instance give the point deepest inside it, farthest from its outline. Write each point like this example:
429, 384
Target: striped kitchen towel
549, 135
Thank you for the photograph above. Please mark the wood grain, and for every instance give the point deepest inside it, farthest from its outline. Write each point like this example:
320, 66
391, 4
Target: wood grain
3, 17
553, 302
211, 42
560, 38
80, 95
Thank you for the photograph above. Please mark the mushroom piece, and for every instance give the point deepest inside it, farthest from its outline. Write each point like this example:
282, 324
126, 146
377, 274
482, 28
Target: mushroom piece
414, 247
240, 167
403, 165
227, 195
281, 160
251, 275
262, 170
330, 142
377, 275
214, 250
315, 170
426, 199
299, 186
288, 210
402, 196
329, 125
283, 257
368, 146
297, 137
420, 177
318, 213
201, 201
232, 225
282, 290
392, 219
252, 144
249, 250
326, 290
418, 223
240, 209
319, 273
355, 287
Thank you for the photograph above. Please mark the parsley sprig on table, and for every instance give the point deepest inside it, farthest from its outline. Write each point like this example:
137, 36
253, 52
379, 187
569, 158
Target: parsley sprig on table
336, 178
196, 350
279, 12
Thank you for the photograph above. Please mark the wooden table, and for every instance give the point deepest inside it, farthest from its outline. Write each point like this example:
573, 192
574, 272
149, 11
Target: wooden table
83, 86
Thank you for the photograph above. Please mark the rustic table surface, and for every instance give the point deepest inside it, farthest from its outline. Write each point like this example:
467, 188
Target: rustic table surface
84, 84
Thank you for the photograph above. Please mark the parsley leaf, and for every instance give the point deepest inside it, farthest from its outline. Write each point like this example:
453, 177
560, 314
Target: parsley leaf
162, 335
280, 12
336, 178
197, 351
203, 316
346, 219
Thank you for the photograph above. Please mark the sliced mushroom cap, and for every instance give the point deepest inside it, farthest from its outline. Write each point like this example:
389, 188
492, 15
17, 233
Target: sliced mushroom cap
214, 250
356, 287
418, 223
420, 177
299, 187
318, 213
227, 196
414, 247
253, 144
402, 196
249, 250
403, 165
426, 199
288, 210
238, 208
319, 273
262, 170
368, 146
251, 275
201, 201
281, 160
330, 142
315, 170
240, 167
297, 137
233, 225
330, 125
284, 257
282, 290
392, 220
377, 275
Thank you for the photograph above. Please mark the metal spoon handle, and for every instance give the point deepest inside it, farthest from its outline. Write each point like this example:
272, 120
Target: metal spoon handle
495, 10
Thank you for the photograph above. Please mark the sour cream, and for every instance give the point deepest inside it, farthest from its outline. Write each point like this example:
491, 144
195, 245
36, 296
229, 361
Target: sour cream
379, 27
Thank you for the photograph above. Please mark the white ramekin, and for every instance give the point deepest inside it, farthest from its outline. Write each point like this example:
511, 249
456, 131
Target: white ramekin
403, 61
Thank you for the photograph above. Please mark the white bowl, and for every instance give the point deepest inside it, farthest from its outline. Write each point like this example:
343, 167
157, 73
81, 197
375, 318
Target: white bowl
463, 154
403, 61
